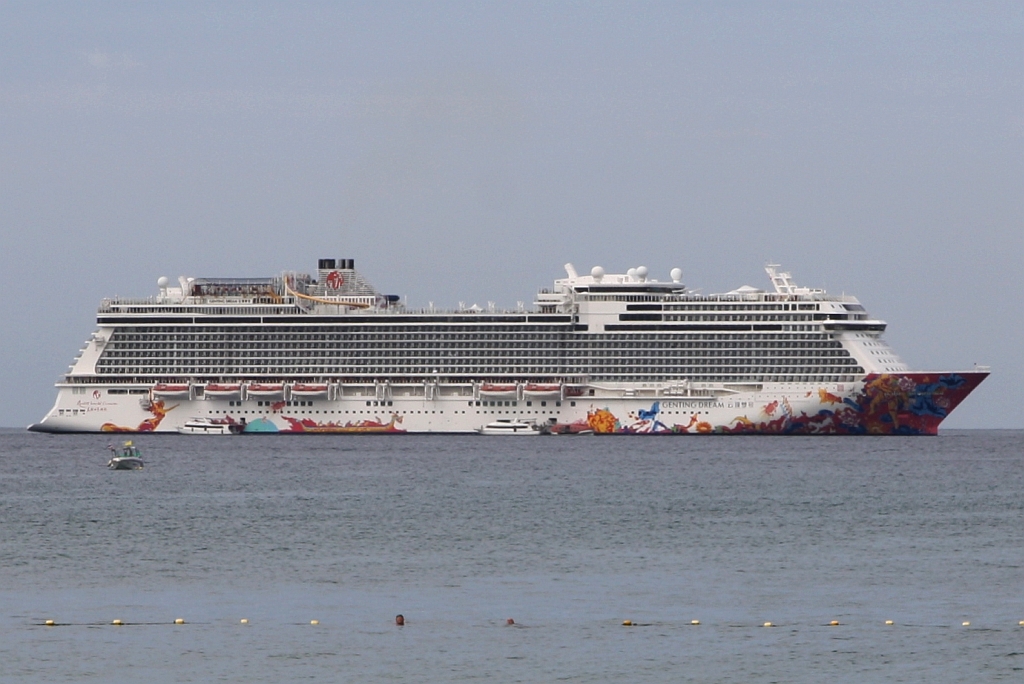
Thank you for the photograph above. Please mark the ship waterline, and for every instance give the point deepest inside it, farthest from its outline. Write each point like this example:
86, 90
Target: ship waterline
601, 353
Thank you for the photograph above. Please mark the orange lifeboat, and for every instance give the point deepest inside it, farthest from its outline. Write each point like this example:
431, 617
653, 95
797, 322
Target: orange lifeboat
218, 391
489, 391
536, 391
308, 390
163, 389
264, 391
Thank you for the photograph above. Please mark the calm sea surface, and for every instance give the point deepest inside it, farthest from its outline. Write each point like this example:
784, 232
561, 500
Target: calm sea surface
567, 535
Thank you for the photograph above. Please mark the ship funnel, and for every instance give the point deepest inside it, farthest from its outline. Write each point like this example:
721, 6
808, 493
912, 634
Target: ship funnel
571, 270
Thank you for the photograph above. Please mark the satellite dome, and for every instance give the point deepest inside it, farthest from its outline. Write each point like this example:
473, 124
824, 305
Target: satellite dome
162, 281
631, 273
597, 273
677, 274
642, 273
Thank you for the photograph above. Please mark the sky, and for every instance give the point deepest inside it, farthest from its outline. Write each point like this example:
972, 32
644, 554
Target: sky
466, 151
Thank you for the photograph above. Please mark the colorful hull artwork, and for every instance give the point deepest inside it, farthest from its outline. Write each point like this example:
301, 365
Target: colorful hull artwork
896, 404
909, 403
309, 425
148, 425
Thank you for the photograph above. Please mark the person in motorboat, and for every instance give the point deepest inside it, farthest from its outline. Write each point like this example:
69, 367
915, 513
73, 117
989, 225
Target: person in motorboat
127, 457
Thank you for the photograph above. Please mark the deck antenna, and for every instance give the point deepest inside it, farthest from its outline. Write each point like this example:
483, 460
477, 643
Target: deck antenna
783, 282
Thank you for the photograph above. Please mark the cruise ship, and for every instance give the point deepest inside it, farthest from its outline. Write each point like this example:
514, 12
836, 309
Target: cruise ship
599, 353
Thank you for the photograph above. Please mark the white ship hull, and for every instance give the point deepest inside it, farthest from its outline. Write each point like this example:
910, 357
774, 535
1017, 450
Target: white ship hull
906, 403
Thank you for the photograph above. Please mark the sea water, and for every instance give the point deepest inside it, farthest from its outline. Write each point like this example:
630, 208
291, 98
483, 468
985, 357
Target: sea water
568, 536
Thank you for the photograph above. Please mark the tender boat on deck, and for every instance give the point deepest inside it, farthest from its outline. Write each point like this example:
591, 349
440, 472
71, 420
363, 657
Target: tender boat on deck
264, 391
538, 391
505, 426
222, 391
167, 391
304, 390
489, 391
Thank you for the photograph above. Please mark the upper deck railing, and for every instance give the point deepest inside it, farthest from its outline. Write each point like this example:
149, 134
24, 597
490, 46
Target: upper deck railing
222, 305
288, 305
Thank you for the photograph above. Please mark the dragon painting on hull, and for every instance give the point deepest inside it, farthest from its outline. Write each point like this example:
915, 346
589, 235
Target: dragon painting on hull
361, 426
896, 404
888, 404
156, 408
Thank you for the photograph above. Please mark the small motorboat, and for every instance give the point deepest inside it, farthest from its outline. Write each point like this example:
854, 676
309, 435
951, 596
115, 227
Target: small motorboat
506, 426
127, 457
211, 426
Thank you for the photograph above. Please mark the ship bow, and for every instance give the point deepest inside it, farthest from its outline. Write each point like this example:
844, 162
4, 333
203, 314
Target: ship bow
913, 403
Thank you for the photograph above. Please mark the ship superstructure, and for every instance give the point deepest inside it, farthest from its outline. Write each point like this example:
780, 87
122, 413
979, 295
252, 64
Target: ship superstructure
608, 353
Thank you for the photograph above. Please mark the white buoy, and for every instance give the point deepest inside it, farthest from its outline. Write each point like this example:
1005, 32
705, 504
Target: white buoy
966, 624
888, 622
49, 623
769, 624
244, 621
179, 621
314, 622
117, 622
694, 622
